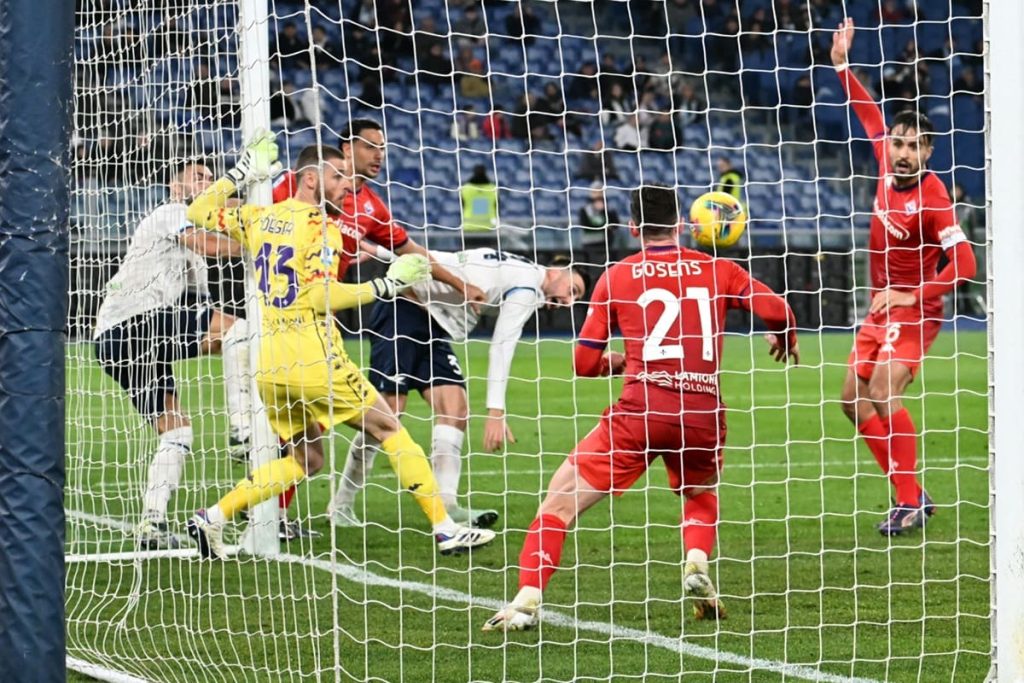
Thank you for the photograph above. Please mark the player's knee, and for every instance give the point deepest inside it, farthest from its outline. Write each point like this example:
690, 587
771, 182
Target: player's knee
561, 506
179, 437
879, 392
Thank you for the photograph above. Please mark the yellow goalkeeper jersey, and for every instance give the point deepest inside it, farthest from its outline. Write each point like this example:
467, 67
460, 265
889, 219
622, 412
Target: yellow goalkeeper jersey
292, 248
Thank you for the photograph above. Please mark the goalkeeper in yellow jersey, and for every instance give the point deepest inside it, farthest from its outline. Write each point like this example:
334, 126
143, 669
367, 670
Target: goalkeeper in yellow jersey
304, 376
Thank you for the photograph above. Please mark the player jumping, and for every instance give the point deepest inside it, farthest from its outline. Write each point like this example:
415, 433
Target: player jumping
669, 303
157, 311
304, 376
411, 351
912, 224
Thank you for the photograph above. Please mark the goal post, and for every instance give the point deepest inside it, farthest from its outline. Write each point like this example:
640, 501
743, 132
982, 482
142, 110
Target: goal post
1005, 155
35, 129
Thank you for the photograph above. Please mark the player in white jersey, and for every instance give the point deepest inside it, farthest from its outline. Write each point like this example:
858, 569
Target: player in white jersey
157, 310
410, 341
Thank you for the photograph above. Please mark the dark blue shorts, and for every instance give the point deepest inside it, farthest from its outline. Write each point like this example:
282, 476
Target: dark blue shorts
139, 352
409, 350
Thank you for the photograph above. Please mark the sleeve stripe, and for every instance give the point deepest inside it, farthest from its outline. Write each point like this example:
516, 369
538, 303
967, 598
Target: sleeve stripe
591, 344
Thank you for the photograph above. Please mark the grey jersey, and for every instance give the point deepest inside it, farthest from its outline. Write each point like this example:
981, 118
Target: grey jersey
156, 272
512, 287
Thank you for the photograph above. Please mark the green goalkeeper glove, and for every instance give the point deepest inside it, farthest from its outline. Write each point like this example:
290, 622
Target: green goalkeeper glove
258, 162
406, 271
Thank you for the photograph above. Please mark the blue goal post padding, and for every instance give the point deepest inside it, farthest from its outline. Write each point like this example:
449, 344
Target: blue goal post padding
36, 40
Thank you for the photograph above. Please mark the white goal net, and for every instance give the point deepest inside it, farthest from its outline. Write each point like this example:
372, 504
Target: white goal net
524, 127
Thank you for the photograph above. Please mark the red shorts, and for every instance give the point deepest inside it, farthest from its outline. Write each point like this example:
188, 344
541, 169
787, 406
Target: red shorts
621, 447
884, 338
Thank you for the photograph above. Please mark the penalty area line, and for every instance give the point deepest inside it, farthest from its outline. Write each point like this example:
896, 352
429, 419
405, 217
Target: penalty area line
551, 617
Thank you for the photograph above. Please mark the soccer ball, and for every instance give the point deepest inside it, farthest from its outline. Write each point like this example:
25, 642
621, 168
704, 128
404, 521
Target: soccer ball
717, 219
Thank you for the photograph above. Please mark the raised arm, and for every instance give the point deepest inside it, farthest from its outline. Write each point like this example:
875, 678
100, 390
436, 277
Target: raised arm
866, 109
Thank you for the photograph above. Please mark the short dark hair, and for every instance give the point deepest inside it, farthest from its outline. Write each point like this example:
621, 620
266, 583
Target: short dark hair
565, 261
310, 157
175, 170
355, 128
654, 209
913, 119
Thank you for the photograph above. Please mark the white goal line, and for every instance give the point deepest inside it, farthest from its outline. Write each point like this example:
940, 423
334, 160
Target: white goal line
549, 617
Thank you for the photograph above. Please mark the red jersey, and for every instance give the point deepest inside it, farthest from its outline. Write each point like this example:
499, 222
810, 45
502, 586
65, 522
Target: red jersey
363, 216
910, 226
669, 304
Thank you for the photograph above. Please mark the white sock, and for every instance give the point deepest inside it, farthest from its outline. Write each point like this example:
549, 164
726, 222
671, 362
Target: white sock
528, 595
446, 461
215, 515
446, 526
165, 472
698, 557
353, 478
235, 353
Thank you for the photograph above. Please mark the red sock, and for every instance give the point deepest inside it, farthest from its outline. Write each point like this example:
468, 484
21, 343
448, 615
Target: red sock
542, 551
876, 435
700, 522
285, 499
903, 446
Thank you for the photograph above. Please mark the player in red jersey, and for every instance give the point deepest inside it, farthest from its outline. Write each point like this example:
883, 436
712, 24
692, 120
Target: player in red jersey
669, 304
912, 224
364, 217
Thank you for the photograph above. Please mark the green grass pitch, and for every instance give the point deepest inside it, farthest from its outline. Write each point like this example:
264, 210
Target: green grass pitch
813, 592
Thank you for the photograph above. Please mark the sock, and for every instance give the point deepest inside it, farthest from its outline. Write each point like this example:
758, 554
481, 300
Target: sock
284, 501
542, 551
446, 459
165, 472
235, 353
414, 475
353, 478
903, 446
700, 523
264, 483
876, 435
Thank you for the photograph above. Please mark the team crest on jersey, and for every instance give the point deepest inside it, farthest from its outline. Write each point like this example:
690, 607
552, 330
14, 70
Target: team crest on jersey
911, 207
368, 207
327, 256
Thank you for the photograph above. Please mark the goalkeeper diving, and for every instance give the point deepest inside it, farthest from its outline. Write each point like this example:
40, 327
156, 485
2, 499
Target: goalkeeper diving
303, 374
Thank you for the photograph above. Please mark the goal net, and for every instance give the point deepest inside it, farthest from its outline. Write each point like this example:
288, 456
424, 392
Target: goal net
523, 127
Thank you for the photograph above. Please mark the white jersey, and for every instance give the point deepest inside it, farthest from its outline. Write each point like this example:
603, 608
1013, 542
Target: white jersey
156, 272
511, 284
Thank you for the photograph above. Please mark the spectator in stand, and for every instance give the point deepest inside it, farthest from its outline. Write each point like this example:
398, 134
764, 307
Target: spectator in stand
479, 202
611, 73
396, 40
204, 96
427, 36
662, 132
597, 164
893, 12
522, 24
551, 108
688, 106
471, 27
464, 58
600, 227
474, 84
730, 178
628, 136
495, 126
967, 82
291, 47
466, 125
434, 68
583, 86
616, 107
646, 110
282, 110
371, 94
327, 52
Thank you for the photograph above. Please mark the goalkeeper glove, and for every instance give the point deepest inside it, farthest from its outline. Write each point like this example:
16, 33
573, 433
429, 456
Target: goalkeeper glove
406, 271
257, 162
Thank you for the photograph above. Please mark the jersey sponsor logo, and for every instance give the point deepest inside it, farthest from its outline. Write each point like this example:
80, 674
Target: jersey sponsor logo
696, 382
896, 231
349, 230
666, 269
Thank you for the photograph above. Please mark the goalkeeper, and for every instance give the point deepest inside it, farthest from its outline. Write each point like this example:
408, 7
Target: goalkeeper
304, 376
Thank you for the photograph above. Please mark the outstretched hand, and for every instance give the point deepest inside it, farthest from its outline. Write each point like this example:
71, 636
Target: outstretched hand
258, 161
408, 270
842, 41
780, 350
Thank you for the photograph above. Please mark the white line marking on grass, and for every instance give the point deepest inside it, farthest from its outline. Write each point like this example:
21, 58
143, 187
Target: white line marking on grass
100, 673
554, 618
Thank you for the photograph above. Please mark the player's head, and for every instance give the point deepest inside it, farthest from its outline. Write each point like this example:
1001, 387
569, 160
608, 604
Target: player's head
362, 141
654, 212
189, 179
910, 145
322, 174
565, 282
